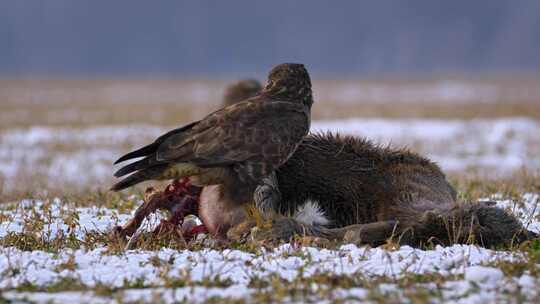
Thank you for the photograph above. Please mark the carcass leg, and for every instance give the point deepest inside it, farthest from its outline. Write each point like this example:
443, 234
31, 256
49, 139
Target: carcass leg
180, 198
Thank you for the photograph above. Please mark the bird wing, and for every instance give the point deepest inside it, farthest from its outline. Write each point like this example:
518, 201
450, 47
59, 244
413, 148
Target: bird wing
151, 148
256, 131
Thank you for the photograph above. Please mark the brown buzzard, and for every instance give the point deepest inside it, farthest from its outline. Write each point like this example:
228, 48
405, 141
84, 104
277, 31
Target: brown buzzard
241, 143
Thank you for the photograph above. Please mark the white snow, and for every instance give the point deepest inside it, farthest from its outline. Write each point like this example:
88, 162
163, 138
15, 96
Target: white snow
442, 91
498, 145
287, 262
84, 156
483, 275
93, 267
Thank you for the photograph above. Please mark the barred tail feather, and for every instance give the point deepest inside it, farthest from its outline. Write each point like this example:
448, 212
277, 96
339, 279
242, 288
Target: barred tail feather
144, 151
153, 147
139, 177
135, 166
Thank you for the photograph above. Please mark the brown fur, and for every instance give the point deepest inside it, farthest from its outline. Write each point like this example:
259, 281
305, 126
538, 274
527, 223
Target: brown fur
241, 90
371, 193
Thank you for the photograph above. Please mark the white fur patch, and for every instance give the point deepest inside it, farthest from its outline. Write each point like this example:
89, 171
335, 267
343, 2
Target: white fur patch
311, 214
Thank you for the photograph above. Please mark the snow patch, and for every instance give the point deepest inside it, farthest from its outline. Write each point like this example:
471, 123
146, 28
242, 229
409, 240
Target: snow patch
483, 275
83, 157
287, 262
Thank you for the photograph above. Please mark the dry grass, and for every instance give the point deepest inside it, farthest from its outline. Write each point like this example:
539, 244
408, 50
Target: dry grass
473, 186
84, 103
170, 102
411, 287
87, 103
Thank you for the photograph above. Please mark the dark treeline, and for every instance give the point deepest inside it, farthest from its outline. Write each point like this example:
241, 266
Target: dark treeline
224, 38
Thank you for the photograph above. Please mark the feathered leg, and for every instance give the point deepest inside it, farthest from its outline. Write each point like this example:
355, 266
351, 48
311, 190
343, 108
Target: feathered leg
267, 195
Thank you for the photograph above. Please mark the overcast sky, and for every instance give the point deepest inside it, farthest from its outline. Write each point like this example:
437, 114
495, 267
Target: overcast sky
237, 38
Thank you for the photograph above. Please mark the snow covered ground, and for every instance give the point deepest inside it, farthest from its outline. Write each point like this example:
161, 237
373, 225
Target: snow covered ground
80, 157
460, 273
84, 156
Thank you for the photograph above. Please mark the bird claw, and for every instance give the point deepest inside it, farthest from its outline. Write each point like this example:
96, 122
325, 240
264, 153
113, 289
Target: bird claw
267, 196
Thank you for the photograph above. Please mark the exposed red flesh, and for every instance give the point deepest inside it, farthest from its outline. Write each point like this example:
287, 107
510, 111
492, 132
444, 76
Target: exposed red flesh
180, 198
183, 200
194, 231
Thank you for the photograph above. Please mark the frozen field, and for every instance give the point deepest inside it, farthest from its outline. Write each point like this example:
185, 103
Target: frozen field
42, 158
93, 273
58, 140
46, 158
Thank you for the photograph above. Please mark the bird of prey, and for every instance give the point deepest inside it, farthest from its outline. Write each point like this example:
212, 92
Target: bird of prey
181, 198
240, 91
236, 145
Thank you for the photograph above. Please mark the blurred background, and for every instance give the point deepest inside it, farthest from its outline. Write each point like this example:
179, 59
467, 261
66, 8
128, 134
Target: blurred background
223, 39
83, 81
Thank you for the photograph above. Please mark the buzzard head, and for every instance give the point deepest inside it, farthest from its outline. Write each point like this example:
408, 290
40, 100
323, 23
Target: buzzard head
241, 91
290, 82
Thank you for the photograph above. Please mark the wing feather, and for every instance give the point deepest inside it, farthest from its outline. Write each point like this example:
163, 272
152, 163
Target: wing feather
242, 132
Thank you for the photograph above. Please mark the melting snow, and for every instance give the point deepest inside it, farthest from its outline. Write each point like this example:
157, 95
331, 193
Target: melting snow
84, 156
95, 267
